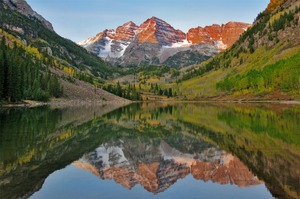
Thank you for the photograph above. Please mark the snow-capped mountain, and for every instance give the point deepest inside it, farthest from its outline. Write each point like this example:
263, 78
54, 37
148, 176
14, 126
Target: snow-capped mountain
155, 42
111, 43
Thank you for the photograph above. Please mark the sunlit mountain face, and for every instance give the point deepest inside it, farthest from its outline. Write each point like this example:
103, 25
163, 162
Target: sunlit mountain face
155, 42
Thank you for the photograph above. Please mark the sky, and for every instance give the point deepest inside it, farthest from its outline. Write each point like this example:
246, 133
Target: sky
80, 19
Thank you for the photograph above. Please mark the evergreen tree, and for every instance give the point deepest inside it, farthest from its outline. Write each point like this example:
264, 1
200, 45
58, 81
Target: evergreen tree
170, 94
119, 90
1, 72
166, 92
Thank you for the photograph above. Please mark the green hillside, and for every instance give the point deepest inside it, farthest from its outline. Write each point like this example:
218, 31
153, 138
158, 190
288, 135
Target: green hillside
263, 64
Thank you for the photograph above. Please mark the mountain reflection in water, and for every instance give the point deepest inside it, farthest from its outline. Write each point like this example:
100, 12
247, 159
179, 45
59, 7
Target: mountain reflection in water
155, 165
150, 147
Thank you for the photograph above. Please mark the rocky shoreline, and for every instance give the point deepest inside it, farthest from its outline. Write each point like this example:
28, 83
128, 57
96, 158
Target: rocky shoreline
62, 102
67, 102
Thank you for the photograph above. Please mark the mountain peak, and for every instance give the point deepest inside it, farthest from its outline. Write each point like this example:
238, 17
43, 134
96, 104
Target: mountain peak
126, 31
155, 30
156, 19
129, 23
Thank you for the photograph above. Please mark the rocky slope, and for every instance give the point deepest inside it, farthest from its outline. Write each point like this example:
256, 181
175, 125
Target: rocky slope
156, 167
155, 41
22, 7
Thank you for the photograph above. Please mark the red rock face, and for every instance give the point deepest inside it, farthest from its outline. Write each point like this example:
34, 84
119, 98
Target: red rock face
87, 167
227, 33
122, 33
109, 33
126, 31
100, 36
232, 31
155, 30
159, 176
148, 177
233, 171
207, 35
124, 176
146, 32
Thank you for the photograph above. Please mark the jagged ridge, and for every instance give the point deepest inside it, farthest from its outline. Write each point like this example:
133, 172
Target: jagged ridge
154, 41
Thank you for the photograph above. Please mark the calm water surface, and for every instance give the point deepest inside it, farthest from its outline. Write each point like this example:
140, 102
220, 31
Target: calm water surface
151, 151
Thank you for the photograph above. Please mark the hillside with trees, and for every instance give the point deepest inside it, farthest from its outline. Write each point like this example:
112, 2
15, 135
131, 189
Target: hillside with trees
38, 64
26, 73
32, 32
262, 64
23, 74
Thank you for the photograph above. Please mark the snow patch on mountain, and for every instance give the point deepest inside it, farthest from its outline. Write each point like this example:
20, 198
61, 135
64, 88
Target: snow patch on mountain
110, 156
184, 43
220, 45
208, 155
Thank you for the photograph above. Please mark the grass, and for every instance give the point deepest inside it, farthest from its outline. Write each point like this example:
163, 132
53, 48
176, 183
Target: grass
203, 85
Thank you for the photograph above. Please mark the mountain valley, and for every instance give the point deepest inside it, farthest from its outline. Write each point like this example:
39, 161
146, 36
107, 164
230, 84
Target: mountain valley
154, 61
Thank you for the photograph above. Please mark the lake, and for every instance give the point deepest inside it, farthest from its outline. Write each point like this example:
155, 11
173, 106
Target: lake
151, 150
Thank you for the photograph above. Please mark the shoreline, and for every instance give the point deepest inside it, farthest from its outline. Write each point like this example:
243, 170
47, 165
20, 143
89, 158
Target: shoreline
67, 102
62, 102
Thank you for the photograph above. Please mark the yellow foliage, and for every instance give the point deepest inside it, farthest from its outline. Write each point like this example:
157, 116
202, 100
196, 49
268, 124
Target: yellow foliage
69, 71
274, 4
26, 158
29, 49
154, 122
277, 15
153, 80
65, 135
33, 51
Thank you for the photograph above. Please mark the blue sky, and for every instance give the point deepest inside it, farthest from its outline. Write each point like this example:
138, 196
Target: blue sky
80, 19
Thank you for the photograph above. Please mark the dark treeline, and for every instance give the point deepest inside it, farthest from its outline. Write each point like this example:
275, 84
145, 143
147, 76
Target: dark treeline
129, 92
156, 89
23, 76
284, 20
195, 72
